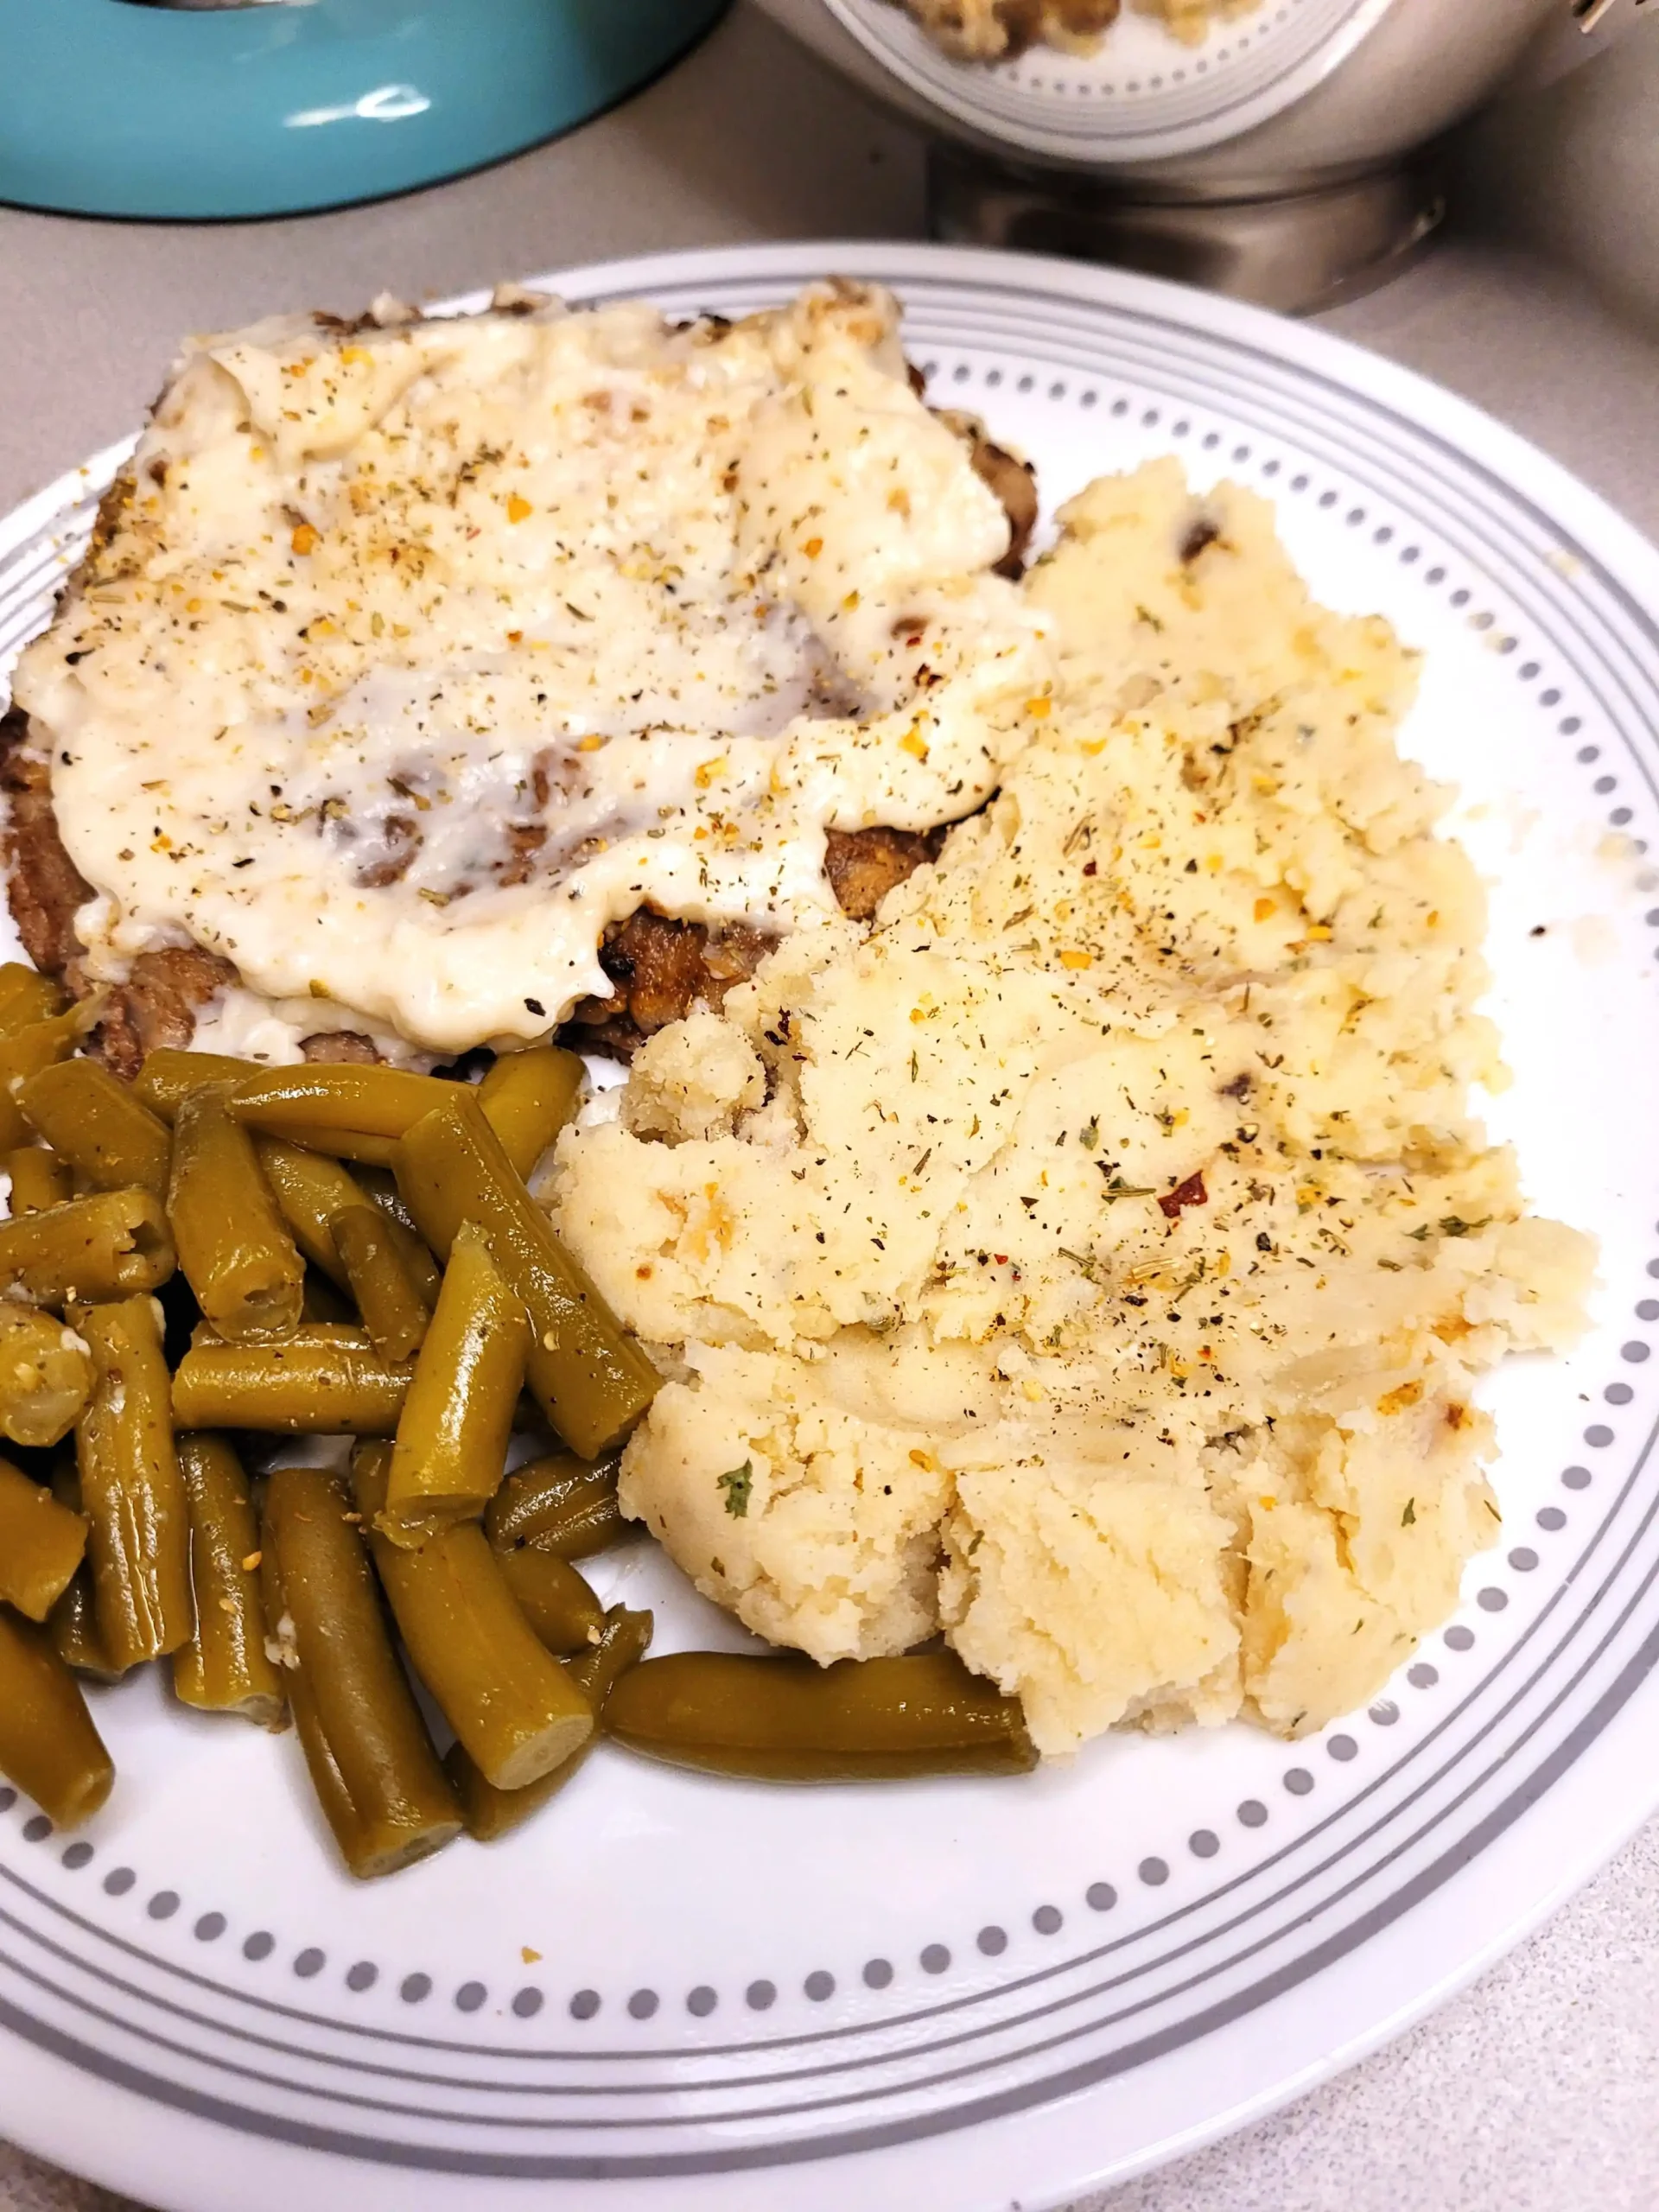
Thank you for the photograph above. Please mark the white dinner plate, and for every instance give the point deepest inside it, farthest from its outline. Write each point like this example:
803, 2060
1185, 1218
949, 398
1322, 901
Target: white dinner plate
673, 1992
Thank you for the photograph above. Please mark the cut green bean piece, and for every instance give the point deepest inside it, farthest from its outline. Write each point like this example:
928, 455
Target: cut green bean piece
224, 1667
324, 1380
394, 1313
489, 1812
624, 1639
168, 1076
527, 1097
552, 1597
39, 1179
786, 1719
234, 1249
131, 1490
381, 1186
105, 1246
452, 1438
507, 1699
41, 1544
94, 1120
378, 1777
338, 1098
48, 1746
74, 1624
23, 1053
310, 1188
362, 1148
368, 1856
27, 997
591, 1379
328, 1783
45, 1376
423, 1269
558, 1504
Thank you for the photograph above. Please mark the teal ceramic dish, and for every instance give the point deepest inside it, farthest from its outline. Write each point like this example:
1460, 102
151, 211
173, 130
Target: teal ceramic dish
109, 108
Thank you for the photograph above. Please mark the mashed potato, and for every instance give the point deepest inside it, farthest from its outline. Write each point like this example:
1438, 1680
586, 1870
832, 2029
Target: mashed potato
1095, 1258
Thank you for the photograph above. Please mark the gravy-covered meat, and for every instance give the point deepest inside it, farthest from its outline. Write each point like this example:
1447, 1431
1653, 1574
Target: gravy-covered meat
409, 656
864, 865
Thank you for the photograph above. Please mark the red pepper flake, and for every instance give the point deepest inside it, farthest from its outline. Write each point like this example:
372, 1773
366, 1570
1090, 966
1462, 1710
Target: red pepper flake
1091, 868
1001, 1259
1190, 1193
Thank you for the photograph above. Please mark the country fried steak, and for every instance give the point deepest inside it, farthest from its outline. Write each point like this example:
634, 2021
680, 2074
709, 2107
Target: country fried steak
660, 967
165, 990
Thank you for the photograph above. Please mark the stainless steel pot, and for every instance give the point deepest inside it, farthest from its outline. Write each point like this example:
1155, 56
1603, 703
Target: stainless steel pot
1288, 168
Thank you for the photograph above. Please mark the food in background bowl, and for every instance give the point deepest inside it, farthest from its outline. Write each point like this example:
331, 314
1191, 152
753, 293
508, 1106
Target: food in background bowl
1002, 30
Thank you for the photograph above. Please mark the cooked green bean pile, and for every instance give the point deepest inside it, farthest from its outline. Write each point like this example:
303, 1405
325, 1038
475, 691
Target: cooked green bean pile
218, 1255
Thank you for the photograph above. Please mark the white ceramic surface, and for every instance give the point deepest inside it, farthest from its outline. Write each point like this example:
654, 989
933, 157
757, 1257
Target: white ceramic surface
962, 1996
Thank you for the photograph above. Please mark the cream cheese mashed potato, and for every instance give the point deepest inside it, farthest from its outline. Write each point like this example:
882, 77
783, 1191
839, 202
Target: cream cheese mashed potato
420, 652
1097, 1259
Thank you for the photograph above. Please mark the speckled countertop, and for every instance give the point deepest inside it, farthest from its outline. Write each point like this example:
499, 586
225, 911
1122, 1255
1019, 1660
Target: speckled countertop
1537, 2090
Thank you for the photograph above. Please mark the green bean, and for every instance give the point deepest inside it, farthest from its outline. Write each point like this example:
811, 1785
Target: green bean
510, 1703
527, 1098
376, 1776
74, 1624
489, 1812
789, 1720
394, 1313
224, 1667
105, 1246
311, 1189
41, 1544
131, 1490
361, 1147
234, 1249
624, 1639
452, 1436
26, 997
338, 1098
23, 1053
45, 1376
48, 1745
168, 1076
357, 1847
323, 1380
380, 1185
39, 1179
552, 1597
591, 1380
92, 1119
558, 1504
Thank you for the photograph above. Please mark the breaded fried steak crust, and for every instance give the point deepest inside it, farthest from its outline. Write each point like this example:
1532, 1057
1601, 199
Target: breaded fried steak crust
411, 661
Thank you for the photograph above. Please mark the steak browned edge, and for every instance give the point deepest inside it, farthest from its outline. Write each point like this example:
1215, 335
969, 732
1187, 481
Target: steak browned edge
661, 967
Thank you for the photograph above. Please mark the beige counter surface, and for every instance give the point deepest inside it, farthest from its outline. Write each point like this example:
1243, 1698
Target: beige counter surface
1538, 2090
